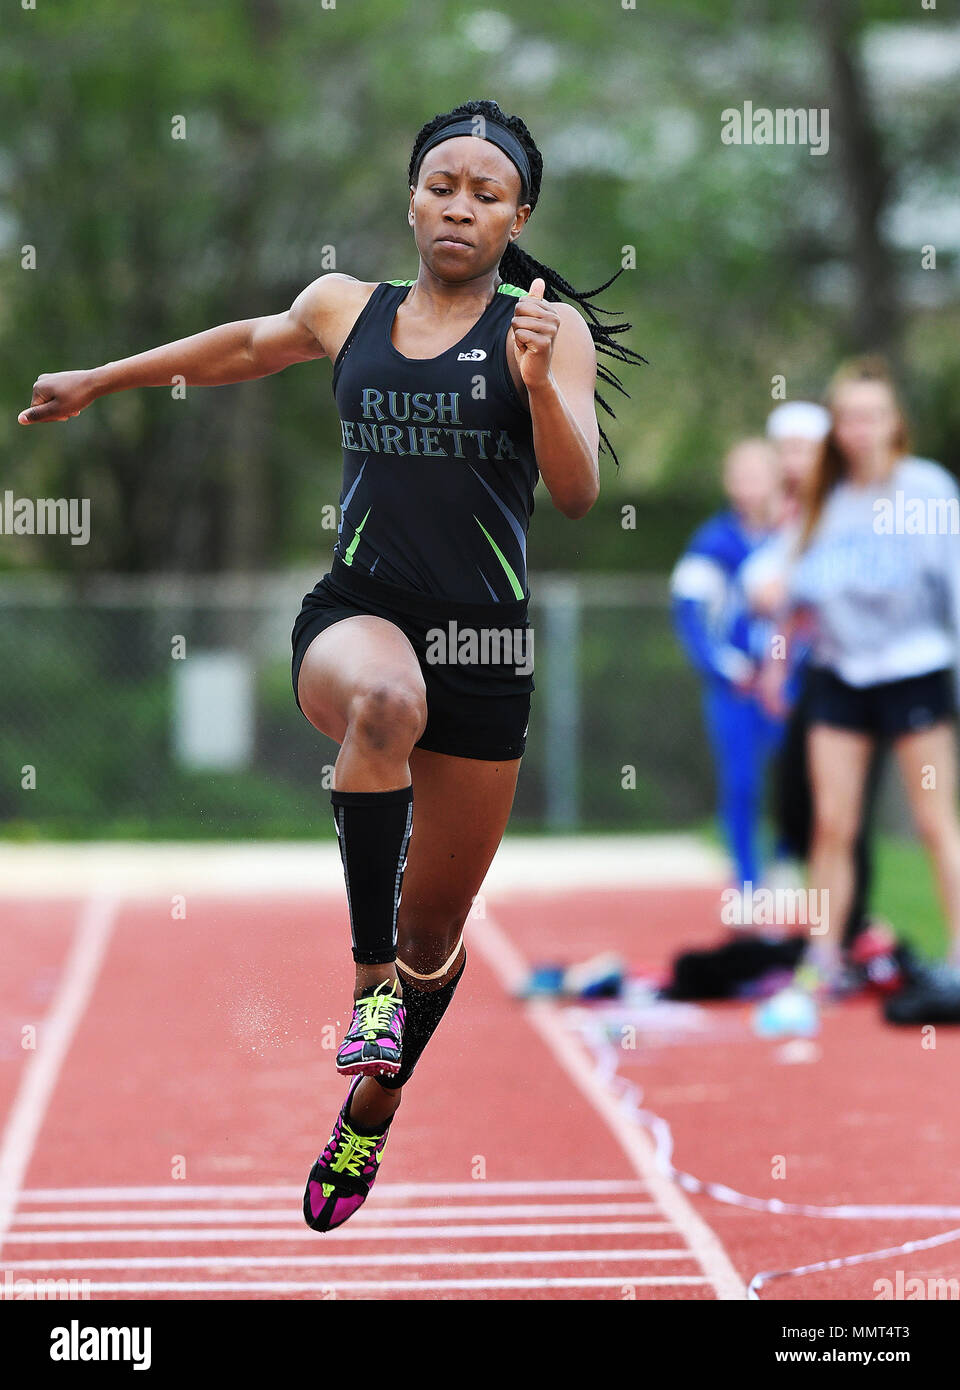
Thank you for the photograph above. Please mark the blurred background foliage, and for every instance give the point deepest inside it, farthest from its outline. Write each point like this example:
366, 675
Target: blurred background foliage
751, 261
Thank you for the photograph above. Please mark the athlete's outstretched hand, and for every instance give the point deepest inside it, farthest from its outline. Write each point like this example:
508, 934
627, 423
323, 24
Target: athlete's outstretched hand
534, 327
58, 396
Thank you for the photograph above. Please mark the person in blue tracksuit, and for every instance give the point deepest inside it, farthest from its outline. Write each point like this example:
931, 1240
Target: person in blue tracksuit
727, 643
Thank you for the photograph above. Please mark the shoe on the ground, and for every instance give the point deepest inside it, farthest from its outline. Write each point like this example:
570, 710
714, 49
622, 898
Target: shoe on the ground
930, 992
341, 1179
372, 1046
874, 952
835, 986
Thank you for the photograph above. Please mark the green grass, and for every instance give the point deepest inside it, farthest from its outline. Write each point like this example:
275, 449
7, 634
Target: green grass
905, 892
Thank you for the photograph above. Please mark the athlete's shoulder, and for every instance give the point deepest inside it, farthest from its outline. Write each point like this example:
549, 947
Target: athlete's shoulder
924, 475
335, 290
330, 304
574, 327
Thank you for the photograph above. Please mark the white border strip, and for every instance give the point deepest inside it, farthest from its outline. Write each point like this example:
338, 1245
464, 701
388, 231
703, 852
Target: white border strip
543, 1015
41, 1071
213, 1216
395, 1285
216, 1235
354, 1261
397, 1191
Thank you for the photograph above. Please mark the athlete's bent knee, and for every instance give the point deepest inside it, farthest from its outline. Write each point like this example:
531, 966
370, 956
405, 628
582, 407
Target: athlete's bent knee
387, 715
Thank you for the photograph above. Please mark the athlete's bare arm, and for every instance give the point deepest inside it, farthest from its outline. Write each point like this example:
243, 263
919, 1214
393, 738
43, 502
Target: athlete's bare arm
314, 326
563, 410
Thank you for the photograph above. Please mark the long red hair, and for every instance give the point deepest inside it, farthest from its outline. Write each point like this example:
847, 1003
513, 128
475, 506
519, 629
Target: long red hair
832, 465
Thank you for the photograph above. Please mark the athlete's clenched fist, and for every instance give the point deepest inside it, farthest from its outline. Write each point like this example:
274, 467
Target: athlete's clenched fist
58, 396
534, 327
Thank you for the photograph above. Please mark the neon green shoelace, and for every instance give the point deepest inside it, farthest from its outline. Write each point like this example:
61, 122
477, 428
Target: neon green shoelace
355, 1152
376, 1010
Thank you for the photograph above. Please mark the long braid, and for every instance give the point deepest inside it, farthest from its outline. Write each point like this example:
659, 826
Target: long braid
519, 268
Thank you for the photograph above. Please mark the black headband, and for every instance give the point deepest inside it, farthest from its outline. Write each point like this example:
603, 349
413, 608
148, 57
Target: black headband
490, 130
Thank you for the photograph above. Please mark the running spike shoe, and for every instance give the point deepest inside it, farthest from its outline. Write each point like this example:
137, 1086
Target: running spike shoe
341, 1179
372, 1044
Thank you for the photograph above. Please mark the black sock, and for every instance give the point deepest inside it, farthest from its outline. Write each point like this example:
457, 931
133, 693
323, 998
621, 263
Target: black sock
424, 1011
373, 830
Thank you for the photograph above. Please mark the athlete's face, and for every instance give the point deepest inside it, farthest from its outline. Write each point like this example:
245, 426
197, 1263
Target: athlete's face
751, 480
464, 210
797, 457
865, 418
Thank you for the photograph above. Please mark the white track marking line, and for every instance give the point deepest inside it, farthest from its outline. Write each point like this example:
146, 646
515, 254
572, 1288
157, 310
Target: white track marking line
508, 964
211, 1217
174, 1192
253, 1233
297, 871
41, 1071
414, 1285
355, 1261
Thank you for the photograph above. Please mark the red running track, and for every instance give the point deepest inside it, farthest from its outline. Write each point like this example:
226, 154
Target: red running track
156, 1139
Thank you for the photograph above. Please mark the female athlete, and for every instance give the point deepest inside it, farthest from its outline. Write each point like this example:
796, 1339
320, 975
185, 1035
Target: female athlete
455, 391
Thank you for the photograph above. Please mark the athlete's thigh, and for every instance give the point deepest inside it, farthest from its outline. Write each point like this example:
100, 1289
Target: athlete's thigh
461, 807
928, 766
837, 761
344, 657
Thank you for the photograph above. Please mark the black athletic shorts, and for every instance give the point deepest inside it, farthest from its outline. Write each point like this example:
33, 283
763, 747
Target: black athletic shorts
886, 710
478, 703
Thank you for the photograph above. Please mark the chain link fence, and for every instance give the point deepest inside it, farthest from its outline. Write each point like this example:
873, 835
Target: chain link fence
113, 696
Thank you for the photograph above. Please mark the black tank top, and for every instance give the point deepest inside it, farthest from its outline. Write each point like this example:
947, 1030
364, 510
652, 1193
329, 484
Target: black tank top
438, 461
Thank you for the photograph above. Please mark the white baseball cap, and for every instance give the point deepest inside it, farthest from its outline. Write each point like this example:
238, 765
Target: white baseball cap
798, 420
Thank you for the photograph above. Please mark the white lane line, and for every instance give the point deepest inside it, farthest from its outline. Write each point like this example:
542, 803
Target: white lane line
508, 964
397, 1285
213, 1216
354, 1261
212, 1236
41, 1071
398, 1191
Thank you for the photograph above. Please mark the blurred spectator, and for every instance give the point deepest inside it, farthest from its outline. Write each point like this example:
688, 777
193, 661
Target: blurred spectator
726, 643
798, 429
880, 597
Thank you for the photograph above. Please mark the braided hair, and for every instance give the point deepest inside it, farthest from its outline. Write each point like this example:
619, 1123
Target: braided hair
519, 268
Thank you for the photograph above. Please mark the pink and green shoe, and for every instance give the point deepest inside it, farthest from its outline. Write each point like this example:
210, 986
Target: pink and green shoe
342, 1177
373, 1042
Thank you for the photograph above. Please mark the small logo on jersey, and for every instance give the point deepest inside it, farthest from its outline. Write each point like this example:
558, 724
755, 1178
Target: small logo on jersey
474, 355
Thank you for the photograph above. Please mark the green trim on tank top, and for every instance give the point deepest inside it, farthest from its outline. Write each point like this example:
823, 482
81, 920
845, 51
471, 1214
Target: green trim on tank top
501, 289
348, 557
514, 582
